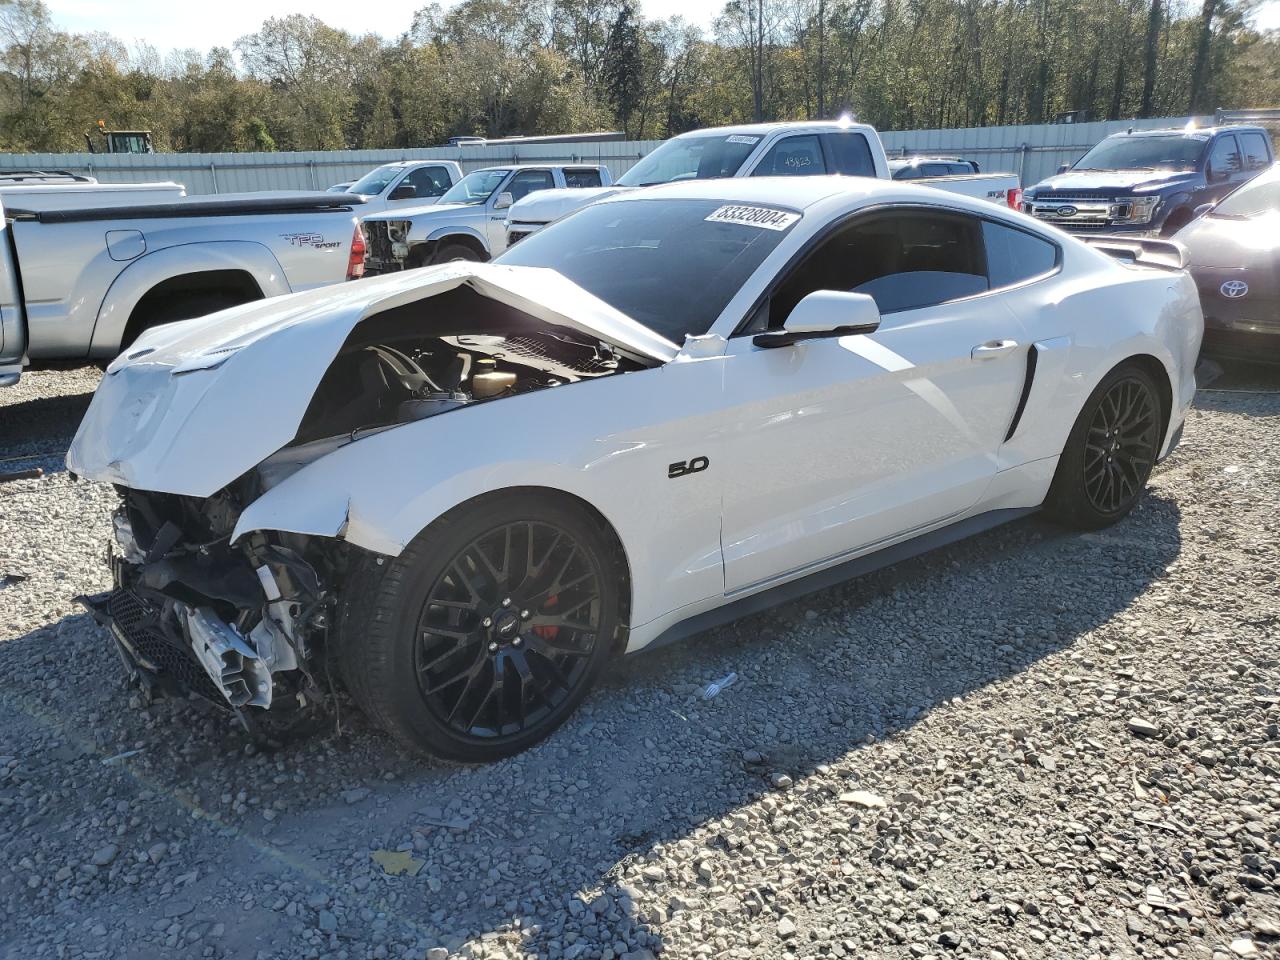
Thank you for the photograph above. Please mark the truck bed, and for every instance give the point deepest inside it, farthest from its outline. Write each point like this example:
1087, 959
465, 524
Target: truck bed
228, 205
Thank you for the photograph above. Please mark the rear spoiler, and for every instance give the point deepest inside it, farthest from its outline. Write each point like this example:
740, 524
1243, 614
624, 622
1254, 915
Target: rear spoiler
1143, 251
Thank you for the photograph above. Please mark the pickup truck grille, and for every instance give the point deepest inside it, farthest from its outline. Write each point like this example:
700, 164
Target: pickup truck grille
1077, 213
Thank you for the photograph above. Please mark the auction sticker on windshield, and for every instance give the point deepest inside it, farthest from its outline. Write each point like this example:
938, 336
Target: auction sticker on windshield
764, 217
741, 138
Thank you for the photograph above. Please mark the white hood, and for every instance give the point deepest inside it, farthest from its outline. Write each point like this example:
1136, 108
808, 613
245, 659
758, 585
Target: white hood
544, 206
193, 405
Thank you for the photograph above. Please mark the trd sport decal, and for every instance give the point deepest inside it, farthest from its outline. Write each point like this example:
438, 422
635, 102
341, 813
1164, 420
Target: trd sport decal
685, 467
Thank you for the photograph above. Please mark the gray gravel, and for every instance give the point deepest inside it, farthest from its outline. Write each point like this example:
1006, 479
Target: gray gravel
1035, 744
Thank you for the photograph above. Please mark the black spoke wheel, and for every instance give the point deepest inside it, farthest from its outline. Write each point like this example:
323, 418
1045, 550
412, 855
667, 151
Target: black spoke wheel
1110, 452
1121, 445
488, 630
508, 629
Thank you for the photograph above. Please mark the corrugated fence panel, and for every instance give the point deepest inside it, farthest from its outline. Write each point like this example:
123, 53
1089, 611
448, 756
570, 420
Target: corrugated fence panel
1032, 151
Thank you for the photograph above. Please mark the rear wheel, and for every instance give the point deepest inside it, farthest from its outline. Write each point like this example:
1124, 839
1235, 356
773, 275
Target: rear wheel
1110, 452
486, 633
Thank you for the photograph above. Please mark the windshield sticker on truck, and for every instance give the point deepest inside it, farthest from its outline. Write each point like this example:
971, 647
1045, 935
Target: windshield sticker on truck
314, 240
740, 138
763, 217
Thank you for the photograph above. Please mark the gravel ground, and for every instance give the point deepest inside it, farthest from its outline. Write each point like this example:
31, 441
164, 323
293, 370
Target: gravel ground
1035, 744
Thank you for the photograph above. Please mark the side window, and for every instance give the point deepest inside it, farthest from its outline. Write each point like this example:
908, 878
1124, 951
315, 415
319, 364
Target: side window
792, 157
429, 181
527, 181
904, 259
906, 173
582, 178
1256, 155
935, 169
851, 155
1014, 255
1224, 161
962, 168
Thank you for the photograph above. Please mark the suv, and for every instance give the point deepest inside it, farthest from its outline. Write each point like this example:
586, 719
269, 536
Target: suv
924, 168
469, 221
1150, 182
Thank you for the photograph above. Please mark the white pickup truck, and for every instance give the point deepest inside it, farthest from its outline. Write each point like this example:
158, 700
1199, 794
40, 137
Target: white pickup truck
82, 282
470, 221
807, 148
403, 184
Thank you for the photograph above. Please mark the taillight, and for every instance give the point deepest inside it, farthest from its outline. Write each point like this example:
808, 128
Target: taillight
355, 263
1014, 198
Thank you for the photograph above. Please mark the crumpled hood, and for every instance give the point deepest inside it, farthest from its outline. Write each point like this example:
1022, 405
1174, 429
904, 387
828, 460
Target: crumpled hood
431, 209
1108, 180
547, 205
193, 405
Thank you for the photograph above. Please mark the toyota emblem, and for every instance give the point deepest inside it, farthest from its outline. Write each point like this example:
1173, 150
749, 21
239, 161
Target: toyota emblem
1234, 289
1066, 210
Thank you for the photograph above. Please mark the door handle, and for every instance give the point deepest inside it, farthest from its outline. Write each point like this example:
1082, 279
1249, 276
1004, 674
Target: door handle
992, 349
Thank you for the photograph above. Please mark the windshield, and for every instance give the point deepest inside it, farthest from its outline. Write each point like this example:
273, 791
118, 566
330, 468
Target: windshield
672, 265
1149, 153
1256, 198
375, 181
691, 158
475, 187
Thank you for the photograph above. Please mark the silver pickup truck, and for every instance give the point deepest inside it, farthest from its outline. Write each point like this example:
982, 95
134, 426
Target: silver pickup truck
83, 282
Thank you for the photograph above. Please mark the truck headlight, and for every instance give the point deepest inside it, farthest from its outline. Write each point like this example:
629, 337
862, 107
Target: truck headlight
1137, 210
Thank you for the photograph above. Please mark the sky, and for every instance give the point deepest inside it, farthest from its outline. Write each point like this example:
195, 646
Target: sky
167, 25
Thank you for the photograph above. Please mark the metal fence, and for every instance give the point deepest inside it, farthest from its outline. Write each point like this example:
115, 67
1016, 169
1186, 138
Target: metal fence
203, 173
1034, 152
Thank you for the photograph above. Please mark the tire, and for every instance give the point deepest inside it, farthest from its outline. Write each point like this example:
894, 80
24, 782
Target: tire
1110, 451
181, 308
431, 652
455, 251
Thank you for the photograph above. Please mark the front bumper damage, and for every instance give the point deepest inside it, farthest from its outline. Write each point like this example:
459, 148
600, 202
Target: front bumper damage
243, 627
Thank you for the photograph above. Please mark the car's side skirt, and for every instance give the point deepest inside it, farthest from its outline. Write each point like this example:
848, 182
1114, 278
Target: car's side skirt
839, 573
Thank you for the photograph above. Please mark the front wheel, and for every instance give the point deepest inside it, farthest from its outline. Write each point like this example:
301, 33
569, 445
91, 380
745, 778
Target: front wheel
489, 629
1110, 452
451, 252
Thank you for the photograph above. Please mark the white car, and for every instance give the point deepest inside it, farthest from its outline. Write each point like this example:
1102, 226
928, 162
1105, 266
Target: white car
462, 489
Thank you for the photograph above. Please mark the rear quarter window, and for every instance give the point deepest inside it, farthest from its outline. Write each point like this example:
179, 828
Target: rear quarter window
1015, 256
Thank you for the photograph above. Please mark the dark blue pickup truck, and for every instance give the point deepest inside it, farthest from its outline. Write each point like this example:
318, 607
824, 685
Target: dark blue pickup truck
1150, 182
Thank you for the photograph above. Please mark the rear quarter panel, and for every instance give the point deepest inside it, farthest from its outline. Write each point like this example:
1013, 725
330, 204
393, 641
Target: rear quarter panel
67, 272
1094, 315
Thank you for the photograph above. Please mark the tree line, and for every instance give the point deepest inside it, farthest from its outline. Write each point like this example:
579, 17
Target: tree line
507, 67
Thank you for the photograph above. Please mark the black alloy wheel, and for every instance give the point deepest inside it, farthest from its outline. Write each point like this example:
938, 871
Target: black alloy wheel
1110, 451
1121, 445
508, 630
489, 628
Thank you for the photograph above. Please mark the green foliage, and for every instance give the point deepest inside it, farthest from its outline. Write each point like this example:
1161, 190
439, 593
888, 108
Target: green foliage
507, 67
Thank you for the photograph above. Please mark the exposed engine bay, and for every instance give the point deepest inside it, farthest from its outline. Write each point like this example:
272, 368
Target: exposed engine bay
257, 623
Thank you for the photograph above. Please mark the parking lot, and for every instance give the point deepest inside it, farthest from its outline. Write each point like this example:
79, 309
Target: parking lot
1033, 744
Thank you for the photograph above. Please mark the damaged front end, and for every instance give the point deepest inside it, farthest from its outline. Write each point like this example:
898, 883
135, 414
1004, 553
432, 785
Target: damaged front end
240, 626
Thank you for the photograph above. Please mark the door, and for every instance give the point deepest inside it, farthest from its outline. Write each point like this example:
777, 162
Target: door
795, 156
520, 185
847, 443
1225, 169
428, 183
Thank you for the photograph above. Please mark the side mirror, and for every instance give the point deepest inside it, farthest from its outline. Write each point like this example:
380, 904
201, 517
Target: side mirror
823, 314
504, 200
1063, 167
406, 191
1201, 210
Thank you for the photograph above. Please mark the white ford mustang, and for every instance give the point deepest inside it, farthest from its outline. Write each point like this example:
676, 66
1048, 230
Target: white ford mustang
460, 490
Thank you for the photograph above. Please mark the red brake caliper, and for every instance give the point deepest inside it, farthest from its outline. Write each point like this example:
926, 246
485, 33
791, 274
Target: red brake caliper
547, 632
